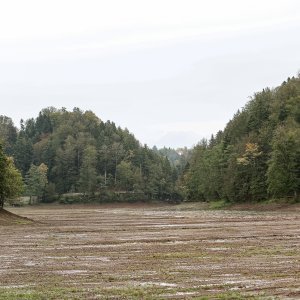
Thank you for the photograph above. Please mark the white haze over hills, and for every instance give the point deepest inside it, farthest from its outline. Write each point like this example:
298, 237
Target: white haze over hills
172, 72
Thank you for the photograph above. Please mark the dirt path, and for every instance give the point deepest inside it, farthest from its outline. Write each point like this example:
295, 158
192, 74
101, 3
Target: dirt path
150, 252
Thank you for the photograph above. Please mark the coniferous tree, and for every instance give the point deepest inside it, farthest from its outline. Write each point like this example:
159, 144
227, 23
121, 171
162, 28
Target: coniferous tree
256, 156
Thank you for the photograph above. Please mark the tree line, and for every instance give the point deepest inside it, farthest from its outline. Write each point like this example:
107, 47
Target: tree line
64, 151
256, 156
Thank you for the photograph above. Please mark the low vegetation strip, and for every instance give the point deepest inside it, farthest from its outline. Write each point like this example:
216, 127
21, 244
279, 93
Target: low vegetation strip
142, 251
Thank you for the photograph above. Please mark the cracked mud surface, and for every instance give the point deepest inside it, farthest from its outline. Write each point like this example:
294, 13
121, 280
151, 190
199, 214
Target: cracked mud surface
150, 252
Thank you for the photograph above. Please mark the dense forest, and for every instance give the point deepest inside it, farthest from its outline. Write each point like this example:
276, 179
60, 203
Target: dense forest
256, 156
74, 153
69, 152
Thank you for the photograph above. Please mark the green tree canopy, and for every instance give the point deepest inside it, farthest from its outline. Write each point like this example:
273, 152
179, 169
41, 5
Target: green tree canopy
11, 184
36, 180
84, 154
257, 154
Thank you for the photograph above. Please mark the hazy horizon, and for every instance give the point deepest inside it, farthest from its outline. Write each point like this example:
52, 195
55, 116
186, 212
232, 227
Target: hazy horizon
172, 72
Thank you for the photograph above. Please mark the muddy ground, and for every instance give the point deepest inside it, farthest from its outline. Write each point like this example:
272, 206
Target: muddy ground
150, 252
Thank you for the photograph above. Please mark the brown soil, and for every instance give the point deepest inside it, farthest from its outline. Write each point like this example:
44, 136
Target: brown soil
151, 252
267, 207
8, 218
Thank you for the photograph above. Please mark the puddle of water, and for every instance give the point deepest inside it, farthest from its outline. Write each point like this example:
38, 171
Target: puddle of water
56, 257
185, 293
163, 284
70, 272
224, 241
30, 264
249, 283
15, 286
102, 258
218, 249
231, 275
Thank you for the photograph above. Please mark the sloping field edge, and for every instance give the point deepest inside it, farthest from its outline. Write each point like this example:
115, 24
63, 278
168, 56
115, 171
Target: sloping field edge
8, 218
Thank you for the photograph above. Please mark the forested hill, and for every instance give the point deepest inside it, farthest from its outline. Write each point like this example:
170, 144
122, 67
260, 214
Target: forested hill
79, 153
256, 156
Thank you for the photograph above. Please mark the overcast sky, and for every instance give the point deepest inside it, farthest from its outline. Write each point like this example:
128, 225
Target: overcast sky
171, 71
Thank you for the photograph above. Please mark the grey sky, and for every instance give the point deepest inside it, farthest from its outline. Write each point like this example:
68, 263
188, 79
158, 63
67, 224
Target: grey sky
172, 72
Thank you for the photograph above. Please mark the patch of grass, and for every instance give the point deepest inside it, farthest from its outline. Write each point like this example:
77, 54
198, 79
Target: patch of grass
23, 222
219, 204
130, 292
179, 255
40, 294
265, 251
288, 200
234, 296
51, 293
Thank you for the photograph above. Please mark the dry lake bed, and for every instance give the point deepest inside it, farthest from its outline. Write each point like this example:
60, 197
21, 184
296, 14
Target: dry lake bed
144, 251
